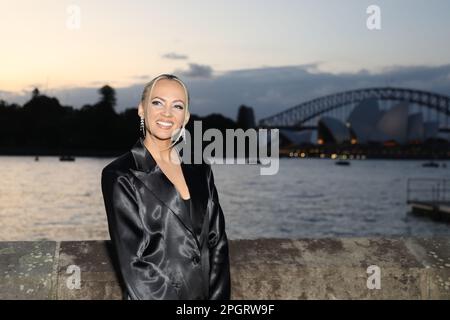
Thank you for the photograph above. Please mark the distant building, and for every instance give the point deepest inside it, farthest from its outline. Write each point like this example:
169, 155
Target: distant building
367, 123
363, 120
245, 117
395, 124
332, 130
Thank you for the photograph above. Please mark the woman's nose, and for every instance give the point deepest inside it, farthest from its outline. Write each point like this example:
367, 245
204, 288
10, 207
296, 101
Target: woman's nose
167, 111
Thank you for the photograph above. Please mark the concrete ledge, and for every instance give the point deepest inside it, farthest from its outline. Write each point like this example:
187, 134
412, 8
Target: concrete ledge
410, 268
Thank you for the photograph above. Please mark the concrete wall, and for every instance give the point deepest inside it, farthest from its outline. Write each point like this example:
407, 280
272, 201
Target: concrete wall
410, 268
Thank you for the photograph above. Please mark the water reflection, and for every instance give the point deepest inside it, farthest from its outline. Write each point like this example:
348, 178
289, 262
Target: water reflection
49, 199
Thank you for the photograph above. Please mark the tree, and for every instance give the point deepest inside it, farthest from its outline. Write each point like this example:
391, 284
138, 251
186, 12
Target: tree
35, 93
108, 98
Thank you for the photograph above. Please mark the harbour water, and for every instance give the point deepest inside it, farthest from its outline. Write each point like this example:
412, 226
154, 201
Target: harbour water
53, 200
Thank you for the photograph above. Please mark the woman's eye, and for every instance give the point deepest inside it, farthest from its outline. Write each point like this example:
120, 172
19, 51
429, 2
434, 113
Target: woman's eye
155, 102
179, 106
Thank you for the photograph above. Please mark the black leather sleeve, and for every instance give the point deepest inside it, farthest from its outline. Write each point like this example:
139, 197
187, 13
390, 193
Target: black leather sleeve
143, 279
219, 277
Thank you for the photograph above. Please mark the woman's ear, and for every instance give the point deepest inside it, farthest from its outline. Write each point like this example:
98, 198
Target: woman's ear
140, 110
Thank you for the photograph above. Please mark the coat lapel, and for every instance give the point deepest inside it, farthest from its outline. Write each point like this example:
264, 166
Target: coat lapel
151, 175
198, 189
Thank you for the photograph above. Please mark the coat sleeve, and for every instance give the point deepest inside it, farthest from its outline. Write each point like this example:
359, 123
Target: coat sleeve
142, 278
219, 277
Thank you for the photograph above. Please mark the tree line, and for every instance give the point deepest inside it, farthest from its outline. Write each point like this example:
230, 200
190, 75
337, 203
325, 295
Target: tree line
42, 126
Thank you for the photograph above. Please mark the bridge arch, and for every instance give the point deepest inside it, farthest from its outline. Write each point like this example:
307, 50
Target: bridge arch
299, 114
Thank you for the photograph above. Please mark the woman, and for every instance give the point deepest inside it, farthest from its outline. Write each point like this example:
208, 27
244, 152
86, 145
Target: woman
164, 217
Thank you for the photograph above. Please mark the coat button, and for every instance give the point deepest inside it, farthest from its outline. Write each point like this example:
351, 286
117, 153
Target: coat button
196, 259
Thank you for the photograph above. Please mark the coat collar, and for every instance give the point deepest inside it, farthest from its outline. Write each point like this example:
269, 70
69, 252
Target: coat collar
147, 170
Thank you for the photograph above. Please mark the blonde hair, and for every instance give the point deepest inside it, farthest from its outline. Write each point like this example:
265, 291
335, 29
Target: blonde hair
147, 92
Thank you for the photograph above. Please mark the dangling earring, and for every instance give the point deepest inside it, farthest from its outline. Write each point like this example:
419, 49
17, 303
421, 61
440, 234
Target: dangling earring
142, 128
183, 134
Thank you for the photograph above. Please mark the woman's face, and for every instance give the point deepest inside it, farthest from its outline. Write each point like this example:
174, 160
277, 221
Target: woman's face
164, 112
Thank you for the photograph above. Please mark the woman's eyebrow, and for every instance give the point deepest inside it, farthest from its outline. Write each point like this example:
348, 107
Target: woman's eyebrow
165, 99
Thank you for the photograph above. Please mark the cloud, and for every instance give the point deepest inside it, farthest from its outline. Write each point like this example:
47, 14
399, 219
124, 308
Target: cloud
174, 56
196, 71
141, 77
268, 90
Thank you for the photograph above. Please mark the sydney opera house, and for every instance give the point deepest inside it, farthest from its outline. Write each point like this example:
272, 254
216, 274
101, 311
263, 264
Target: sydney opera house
367, 123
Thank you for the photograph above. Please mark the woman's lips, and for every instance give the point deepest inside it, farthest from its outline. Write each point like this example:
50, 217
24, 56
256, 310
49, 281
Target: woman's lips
165, 124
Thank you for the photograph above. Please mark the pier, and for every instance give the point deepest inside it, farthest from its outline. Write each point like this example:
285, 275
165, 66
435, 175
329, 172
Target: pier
429, 197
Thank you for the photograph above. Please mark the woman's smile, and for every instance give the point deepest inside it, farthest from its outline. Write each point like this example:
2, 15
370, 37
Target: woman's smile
164, 124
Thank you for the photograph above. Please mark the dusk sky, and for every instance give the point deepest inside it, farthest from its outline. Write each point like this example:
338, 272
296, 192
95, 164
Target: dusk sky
270, 55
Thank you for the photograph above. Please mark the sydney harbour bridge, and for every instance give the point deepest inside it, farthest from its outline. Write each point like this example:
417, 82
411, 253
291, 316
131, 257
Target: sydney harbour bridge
372, 114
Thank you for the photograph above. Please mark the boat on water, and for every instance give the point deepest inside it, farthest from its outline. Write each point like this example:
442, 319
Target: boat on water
66, 158
430, 164
342, 163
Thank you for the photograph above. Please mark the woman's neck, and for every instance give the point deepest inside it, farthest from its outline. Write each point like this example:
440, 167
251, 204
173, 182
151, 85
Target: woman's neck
158, 148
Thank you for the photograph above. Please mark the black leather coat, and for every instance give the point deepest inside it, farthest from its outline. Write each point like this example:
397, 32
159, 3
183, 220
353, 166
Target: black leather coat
162, 253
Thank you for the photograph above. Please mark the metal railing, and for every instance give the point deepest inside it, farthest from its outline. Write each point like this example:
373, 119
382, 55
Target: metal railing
428, 190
